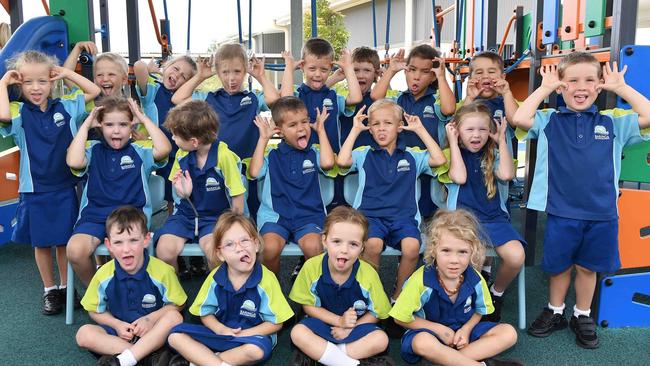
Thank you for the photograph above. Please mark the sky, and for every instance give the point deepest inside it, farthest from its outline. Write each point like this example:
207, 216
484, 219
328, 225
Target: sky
211, 20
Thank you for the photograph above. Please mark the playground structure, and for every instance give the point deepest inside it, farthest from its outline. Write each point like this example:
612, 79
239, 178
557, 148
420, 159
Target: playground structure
605, 28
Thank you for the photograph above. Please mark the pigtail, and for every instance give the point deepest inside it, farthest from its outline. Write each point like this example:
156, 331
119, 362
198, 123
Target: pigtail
487, 165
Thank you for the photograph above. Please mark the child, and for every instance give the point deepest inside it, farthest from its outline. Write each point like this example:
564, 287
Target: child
388, 173
292, 208
156, 101
240, 303
443, 301
316, 64
429, 97
343, 298
135, 298
576, 182
117, 171
43, 128
478, 175
110, 71
205, 173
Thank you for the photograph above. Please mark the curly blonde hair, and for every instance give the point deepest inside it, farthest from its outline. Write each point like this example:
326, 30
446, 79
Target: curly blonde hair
461, 224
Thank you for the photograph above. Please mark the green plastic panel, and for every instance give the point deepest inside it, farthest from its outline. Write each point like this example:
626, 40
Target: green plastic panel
596, 14
76, 15
527, 29
635, 166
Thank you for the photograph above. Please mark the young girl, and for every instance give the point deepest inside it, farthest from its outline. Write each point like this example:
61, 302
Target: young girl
443, 302
342, 297
110, 71
117, 171
240, 304
43, 128
480, 176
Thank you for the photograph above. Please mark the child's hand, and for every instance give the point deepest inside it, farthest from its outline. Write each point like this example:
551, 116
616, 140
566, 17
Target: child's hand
265, 126
472, 89
348, 319
137, 135
321, 117
445, 334
138, 116
345, 61
204, 67
12, 77
461, 338
289, 62
58, 73
500, 135
141, 326
88, 46
500, 85
256, 67
550, 78
125, 331
440, 70
413, 123
396, 62
452, 133
235, 332
91, 120
182, 183
152, 67
357, 121
613, 79
340, 333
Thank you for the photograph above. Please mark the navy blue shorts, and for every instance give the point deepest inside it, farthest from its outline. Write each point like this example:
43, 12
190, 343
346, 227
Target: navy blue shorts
393, 231
95, 229
500, 233
589, 244
46, 219
183, 226
324, 330
407, 340
220, 343
289, 233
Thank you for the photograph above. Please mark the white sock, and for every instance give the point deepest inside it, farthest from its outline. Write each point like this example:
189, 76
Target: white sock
342, 347
487, 269
333, 356
495, 292
127, 358
557, 309
48, 289
577, 312
224, 363
63, 287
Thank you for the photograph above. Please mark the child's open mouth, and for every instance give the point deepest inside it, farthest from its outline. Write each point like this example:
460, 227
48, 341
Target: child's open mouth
340, 262
245, 259
128, 260
107, 89
302, 142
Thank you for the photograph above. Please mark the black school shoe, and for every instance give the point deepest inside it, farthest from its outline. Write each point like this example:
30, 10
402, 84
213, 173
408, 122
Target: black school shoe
198, 267
501, 362
178, 360
108, 360
585, 329
546, 323
52, 304
159, 357
497, 302
378, 360
62, 293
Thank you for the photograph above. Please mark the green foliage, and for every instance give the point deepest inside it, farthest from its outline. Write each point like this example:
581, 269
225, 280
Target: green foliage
330, 26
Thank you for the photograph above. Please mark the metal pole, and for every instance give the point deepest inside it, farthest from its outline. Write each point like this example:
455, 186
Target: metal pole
296, 36
623, 33
16, 14
133, 30
492, 14
103, 19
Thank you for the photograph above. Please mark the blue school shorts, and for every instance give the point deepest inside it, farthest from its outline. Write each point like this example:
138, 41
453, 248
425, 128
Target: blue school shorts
46, 219
220, 343
393, 231
500, 233
589, 244
324, 330
183, 226
291, 233
407, 340
95, 229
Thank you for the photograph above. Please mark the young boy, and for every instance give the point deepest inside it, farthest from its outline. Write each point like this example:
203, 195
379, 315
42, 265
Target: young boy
576, 182
292, 208
206, 178
429, 97
117, 170
388, 173
316, 64
134, 299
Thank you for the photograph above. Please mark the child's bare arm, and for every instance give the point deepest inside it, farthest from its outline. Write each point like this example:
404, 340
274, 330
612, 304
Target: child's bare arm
143, 324
344, 159
161, 145
256, 69
382, 85
447, 98
367, 318
336, 77
509, 102
506, 169
615, 82
141, 71
218, 327
436, 157
9, 78
71, 62
326, 153
290, 65
91, 91
237, 203
354, 96
124, 330
445, 333
525, 115
266, 132
184, 92
461, 337
265, 328
457, 169
347, 320
76, 154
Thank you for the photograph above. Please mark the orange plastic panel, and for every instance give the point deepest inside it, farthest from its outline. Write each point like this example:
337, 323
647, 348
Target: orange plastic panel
9, 160
570, 16
633, 216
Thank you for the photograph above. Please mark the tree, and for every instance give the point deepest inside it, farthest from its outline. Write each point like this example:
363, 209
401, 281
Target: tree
330, 26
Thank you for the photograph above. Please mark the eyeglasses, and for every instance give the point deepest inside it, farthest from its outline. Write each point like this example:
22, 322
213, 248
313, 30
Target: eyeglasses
231, 245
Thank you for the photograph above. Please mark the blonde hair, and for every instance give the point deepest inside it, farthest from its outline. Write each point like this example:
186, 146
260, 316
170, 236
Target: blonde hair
5, 34
225, 222
31, 57
229, 52
460, 224
349, 215
114, 58
489, 157
183, 58
386, 103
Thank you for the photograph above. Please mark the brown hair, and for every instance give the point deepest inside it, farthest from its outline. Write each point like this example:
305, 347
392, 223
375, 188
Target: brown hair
114, 58
387, 103
318, 48
182, 58
461, 224
575, 58
5, 34
113, 103
283, 105
230, 51
126, 218
365, 54
194, 118
423, 51
225, 222
492, 56
489, 157
349, 215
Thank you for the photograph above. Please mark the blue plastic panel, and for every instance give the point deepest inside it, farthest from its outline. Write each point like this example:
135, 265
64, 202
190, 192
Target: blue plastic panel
637, 59
625, 300
550, 21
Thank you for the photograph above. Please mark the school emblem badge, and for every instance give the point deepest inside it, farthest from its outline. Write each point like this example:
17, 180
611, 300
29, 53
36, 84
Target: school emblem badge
307, 166
212, 184
248, 309
601, 133
245, 101
428, 112
328, 104
403, 166
148, 301
126, 162
59, 119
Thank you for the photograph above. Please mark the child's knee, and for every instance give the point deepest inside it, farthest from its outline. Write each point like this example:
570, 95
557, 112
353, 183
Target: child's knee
410, 248
253, 352
78, 250
171, 319
175, 339
424, 342
507, 332
580, 270
515, 256
379, 341
85, 335
298, 333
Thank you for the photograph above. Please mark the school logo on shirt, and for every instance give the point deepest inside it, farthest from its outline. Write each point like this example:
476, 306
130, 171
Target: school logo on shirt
307, 166
428, 112
360, 307
245, 101
212, 184
327, 104
601, 133
403, 166
126, 162
468, 305
58, 119
148, 301
248, 309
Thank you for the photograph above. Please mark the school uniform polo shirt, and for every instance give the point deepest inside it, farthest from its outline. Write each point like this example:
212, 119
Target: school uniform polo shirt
131, 296
43, 139
364, 138
324, 99
579, 161
291, 187
213, 185
117, 177
473, 194
387, 183
428, 109
259, 300
424, 297
156, 104
362, 291
236, 114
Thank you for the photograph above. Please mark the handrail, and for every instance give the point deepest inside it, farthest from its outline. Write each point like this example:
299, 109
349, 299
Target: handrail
47, 8
162, 39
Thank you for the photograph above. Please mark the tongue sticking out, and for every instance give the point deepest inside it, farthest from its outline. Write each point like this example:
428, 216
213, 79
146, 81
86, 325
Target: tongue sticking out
341, 261
245, 259
302, 142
